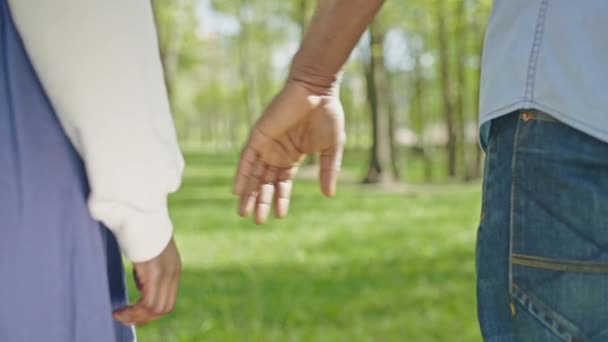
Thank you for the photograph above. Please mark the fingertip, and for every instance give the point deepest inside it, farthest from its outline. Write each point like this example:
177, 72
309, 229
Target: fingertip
328, 185
329, 191
246, 205
262, 213
329, 179
282, 207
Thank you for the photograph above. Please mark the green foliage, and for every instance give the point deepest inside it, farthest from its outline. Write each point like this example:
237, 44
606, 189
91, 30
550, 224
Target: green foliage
247, 64
368, 265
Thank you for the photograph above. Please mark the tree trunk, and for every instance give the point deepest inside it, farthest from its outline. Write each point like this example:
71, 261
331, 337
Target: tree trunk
250, 91
418, 115
392, 128
446, 89
375, 169
377, 85
418, 119
461, 117
475, 164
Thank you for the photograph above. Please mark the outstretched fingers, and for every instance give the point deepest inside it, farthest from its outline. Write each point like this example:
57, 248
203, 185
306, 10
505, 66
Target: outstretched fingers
250, 186
283, 188
259, 182
265, 195
245, 169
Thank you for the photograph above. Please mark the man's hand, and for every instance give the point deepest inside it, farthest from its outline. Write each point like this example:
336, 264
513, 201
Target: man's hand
296, 123
306, 116
157, 280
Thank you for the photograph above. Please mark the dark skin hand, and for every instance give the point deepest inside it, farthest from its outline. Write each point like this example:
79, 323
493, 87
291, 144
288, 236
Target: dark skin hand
272, 156
158, 281
306, 116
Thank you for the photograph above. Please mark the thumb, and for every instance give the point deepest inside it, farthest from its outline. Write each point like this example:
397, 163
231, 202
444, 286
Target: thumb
330, 163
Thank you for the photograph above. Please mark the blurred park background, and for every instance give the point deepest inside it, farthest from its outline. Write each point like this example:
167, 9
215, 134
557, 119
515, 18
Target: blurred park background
391, 258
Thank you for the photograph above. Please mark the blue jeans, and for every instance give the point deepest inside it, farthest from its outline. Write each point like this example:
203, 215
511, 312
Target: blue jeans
542, 245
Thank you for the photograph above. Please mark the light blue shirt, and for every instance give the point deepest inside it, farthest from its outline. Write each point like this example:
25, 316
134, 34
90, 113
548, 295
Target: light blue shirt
550, 55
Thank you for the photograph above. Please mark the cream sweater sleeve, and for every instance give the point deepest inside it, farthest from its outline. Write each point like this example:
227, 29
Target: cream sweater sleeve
99, 63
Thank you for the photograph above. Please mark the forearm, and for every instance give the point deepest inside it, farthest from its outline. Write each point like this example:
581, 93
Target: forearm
99, 63
335, 30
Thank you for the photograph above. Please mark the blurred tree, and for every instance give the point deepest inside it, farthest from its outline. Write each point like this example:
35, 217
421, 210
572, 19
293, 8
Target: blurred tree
222, 71
252, 98
260, 31
446, 84
418, 110
392, 129
174, 19
460, 107
481, 10
378, 94
301, 12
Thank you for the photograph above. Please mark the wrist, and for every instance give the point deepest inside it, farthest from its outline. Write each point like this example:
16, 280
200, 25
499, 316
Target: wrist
314, 79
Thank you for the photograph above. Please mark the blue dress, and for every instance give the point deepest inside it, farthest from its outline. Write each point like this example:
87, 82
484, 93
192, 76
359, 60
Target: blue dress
61, 272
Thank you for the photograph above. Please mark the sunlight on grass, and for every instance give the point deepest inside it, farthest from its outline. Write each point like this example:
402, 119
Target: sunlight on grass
367, 265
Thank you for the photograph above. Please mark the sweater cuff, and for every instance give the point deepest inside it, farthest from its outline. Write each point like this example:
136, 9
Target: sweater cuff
142, 235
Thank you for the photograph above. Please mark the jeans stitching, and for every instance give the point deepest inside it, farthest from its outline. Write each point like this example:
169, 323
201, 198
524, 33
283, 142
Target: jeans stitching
565, 261
484, 190
560, 266
512, 199
553, 321
579, 234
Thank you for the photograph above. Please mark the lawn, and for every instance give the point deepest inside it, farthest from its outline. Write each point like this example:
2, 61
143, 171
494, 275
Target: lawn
391, 264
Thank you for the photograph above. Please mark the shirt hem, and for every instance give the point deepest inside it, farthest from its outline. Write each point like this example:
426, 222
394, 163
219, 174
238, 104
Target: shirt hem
569, 120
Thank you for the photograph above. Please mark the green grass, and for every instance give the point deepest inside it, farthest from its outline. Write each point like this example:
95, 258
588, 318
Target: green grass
368, 265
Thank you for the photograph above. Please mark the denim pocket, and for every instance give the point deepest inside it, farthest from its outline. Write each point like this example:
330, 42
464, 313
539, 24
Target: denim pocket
559, 228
